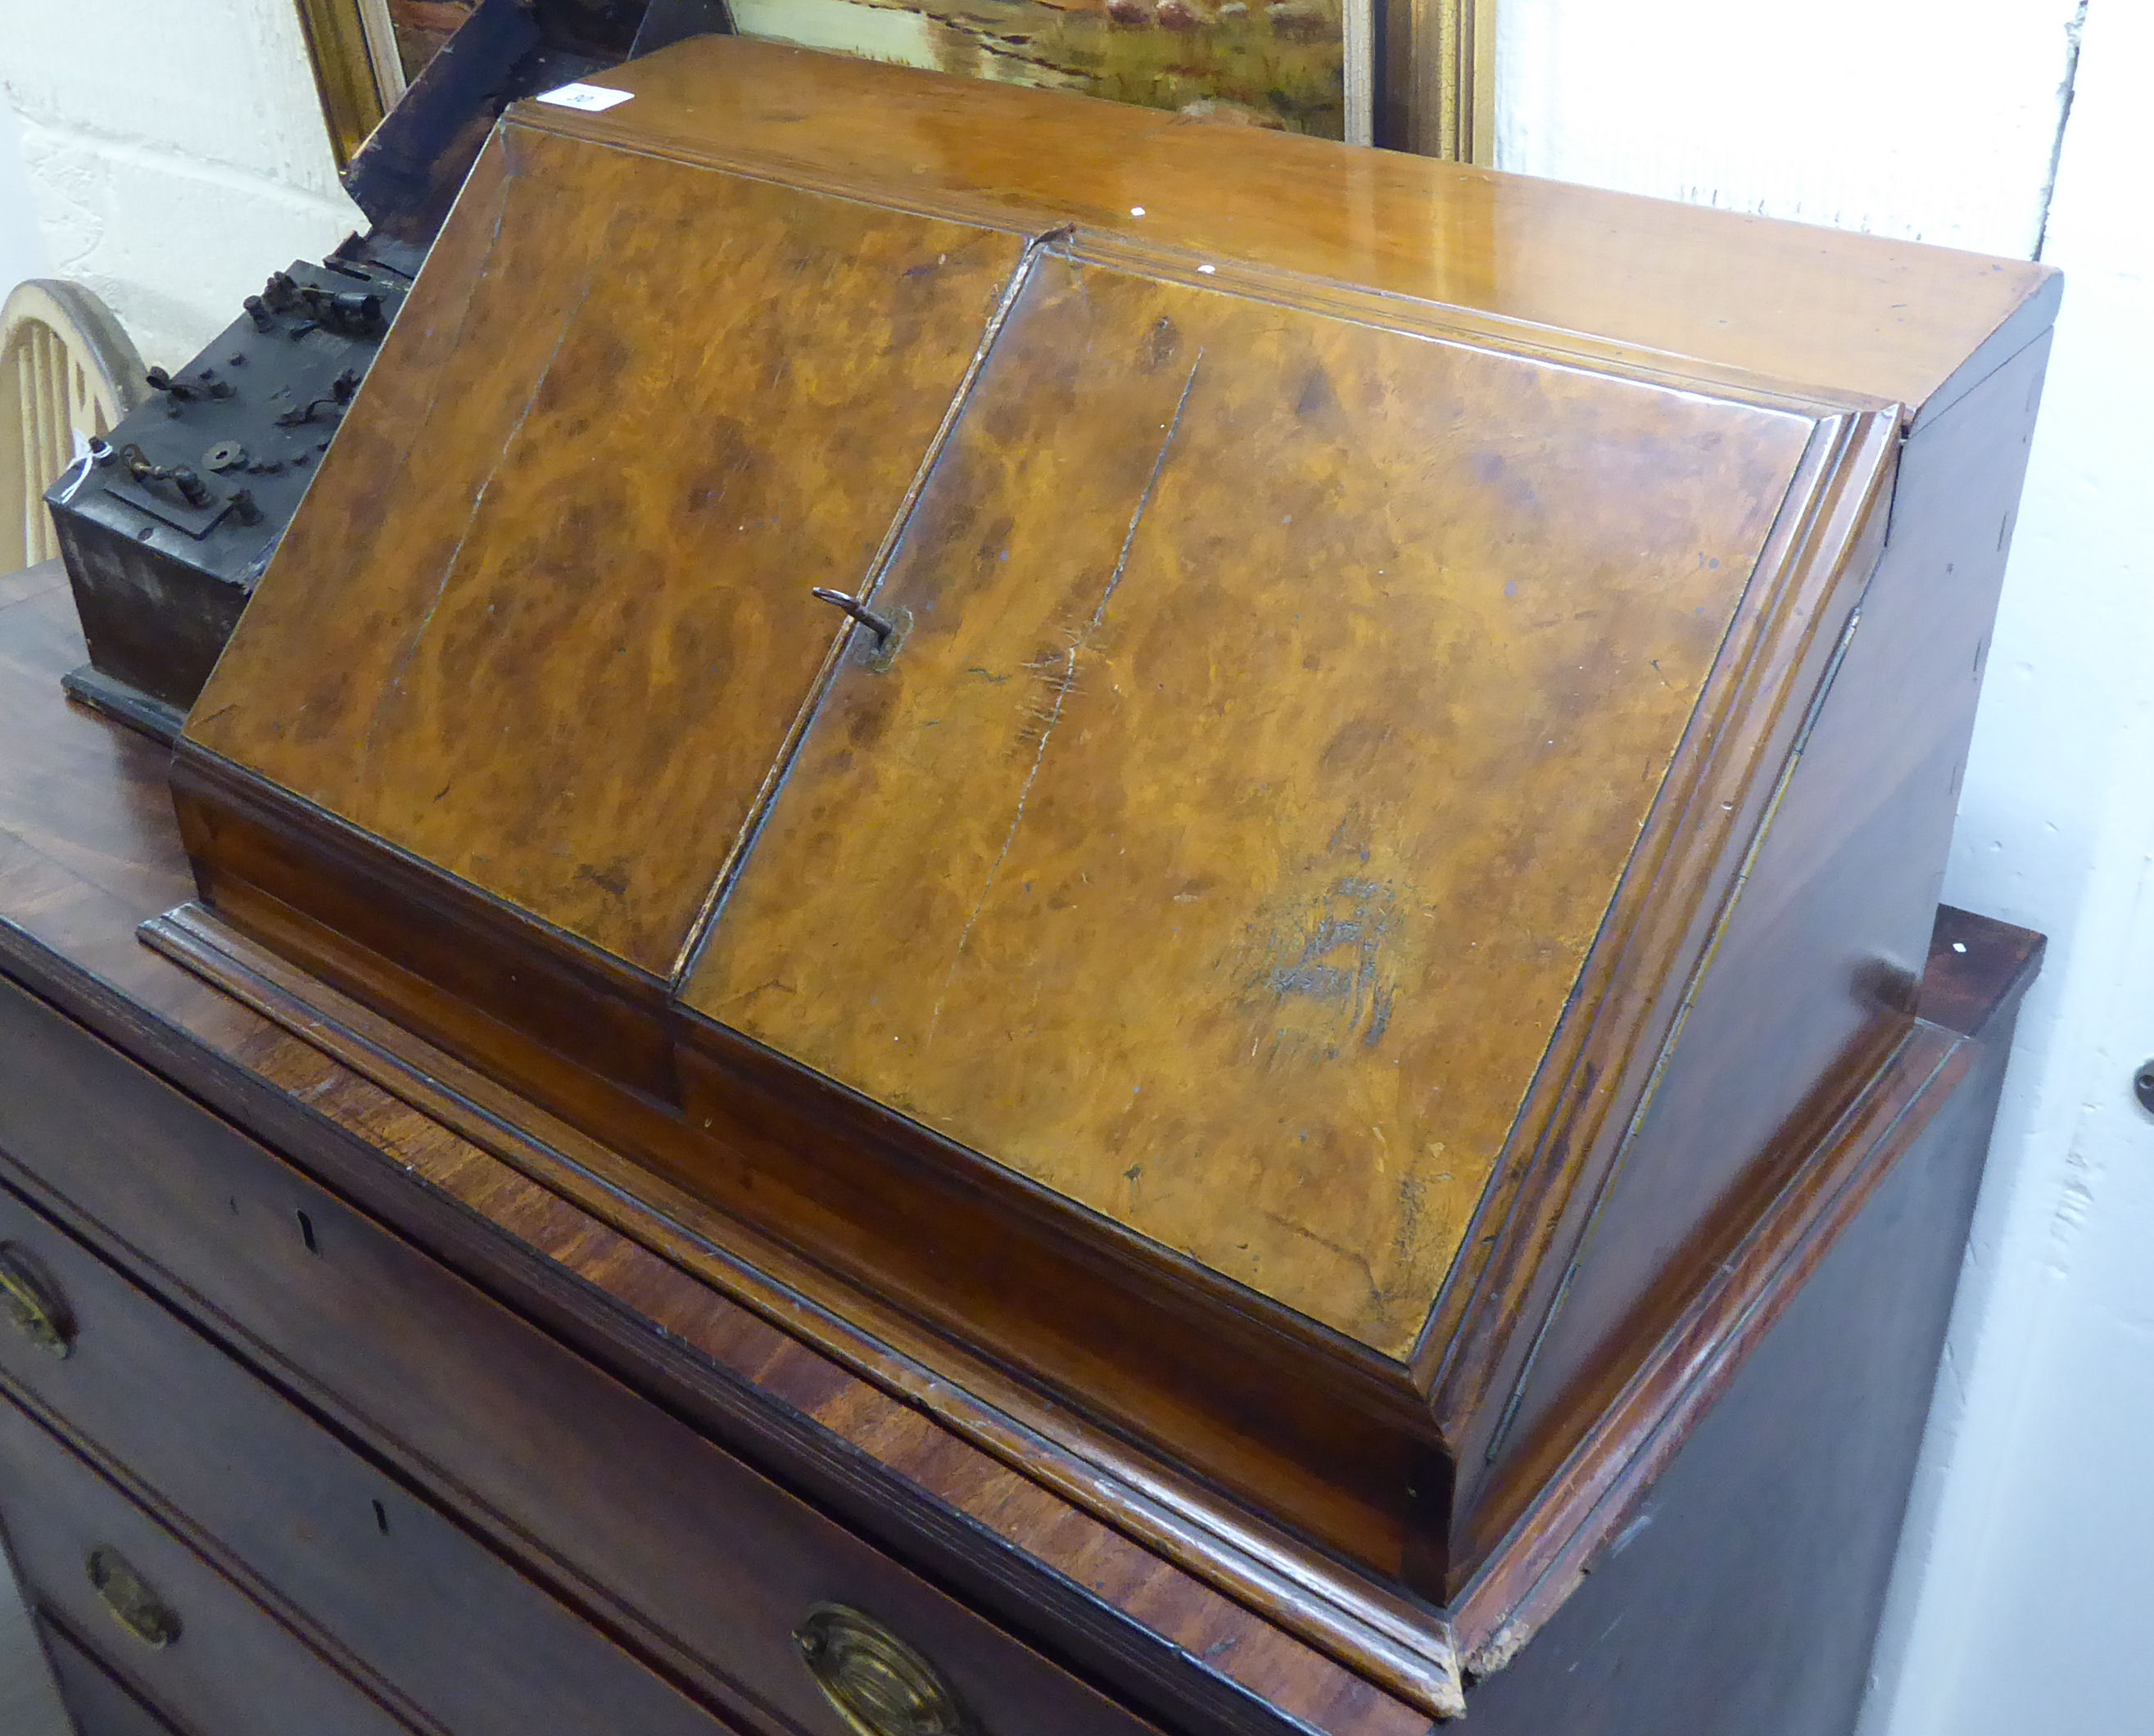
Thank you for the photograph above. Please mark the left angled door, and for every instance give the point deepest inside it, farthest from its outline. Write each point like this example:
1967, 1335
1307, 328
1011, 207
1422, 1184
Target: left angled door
544, 623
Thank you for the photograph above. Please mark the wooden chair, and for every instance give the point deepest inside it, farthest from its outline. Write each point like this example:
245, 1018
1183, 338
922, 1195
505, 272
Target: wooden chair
68, 373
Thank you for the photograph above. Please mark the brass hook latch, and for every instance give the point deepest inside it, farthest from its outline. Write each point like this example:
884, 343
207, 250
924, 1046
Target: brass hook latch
889, 631
859, 612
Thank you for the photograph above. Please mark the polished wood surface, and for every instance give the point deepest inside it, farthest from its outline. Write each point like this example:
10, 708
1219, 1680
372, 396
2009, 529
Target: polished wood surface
443, 1630
1251, 782
97, 1699
233, 1666
1849, 873
1686, 1502
1019, 1508
709, 1566
1807, 306
1798, 1471
567, 484
1210, 945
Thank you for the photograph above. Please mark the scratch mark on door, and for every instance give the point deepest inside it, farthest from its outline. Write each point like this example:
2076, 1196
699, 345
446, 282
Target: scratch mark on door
1064, 680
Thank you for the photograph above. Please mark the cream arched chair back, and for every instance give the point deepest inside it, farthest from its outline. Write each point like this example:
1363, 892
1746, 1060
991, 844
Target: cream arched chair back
68, 373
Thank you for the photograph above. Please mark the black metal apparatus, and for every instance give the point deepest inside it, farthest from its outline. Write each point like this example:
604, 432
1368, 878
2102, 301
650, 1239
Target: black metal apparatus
166, 527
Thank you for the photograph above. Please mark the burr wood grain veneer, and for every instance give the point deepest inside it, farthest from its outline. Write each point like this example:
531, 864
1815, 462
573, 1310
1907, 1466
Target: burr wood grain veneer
1375, 781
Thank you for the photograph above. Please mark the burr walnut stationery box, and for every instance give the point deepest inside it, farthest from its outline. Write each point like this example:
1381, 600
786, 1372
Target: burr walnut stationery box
1262, 786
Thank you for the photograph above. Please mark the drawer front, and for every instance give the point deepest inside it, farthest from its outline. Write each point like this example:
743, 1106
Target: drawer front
677, 1543
448, 1625
97, 1699
229, 1668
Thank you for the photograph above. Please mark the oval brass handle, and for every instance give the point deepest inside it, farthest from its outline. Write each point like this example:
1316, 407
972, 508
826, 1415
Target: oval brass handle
879, 1685
32, 1304
133, 1605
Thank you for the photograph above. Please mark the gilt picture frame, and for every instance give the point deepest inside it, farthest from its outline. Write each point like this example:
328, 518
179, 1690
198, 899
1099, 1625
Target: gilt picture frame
1305, 66
1415, 76
1438, 91
1411, 74
352, 46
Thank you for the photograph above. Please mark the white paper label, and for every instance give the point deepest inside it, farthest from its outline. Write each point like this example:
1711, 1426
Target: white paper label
591, 99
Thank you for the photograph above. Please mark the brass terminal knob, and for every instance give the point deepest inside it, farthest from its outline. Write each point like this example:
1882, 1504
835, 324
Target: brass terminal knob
32, 1304
132, 1604
879, 1685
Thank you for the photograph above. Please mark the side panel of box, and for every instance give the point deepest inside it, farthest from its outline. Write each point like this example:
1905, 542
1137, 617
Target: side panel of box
1744, 1595
1814, 974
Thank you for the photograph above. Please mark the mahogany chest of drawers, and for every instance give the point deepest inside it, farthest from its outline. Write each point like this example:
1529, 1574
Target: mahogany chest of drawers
371, 1416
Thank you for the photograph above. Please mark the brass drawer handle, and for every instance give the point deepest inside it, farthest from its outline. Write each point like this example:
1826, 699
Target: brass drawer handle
133, 1605
879, 1685
32, 1304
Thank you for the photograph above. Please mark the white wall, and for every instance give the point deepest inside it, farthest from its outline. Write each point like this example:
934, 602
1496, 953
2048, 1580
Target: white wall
22, 247
2034, 1532
175, 155
1930, 120
2026, 1577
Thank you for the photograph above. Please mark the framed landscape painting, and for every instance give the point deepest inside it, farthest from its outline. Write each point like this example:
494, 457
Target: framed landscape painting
1303, 66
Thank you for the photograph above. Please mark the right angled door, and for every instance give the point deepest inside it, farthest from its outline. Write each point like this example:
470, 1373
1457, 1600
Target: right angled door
1280, 697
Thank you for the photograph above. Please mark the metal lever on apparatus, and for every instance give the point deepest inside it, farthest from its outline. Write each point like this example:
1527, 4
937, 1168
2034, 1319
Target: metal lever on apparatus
192, 488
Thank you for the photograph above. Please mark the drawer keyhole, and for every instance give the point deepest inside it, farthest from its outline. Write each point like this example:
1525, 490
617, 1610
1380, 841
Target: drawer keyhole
307, 1232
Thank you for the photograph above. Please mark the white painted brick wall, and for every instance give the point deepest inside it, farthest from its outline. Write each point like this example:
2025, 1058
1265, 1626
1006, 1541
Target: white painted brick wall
176, 154
22, 247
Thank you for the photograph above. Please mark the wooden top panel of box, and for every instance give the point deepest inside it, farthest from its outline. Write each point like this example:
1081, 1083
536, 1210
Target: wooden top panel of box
1809, 306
